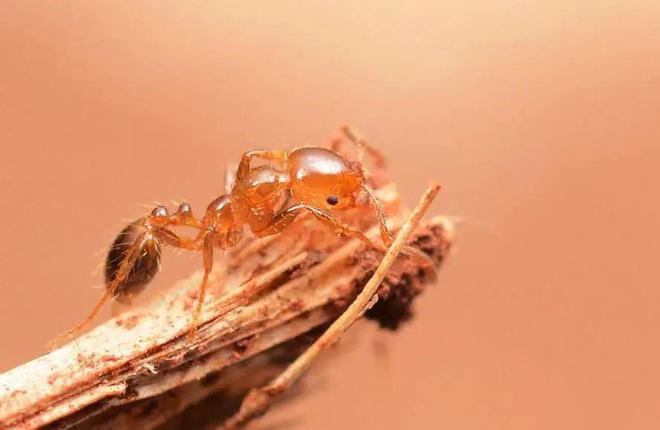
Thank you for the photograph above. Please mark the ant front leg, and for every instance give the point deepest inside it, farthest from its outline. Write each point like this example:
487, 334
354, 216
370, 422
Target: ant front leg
283, 219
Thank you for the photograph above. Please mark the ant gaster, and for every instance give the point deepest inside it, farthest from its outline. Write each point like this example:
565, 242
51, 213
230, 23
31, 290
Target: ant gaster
318, 180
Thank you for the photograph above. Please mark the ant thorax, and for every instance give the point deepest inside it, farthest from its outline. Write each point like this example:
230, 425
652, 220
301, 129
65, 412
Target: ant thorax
254, 198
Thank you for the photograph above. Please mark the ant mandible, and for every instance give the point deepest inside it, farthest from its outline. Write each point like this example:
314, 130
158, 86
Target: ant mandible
317, 179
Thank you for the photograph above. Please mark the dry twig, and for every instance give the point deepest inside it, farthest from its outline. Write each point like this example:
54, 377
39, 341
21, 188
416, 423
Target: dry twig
115, 375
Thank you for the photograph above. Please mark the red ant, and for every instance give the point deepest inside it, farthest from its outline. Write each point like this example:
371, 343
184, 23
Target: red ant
317, 179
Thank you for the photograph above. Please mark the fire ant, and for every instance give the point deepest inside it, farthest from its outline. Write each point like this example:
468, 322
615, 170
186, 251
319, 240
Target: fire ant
318, 180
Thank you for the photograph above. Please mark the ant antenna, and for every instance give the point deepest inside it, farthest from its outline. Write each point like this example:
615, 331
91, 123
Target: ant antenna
387, 235
363, 147
385, 232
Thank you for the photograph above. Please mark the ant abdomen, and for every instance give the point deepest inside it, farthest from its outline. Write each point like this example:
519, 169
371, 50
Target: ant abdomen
141, 272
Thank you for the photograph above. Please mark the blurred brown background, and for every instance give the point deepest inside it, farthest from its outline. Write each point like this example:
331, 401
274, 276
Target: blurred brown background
542, 120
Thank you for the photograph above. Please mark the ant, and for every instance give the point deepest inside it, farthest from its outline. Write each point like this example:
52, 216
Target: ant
317, 179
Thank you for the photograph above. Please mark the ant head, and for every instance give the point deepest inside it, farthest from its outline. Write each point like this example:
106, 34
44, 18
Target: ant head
323, 179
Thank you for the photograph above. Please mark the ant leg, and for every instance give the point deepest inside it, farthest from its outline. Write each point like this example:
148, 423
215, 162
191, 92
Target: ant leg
346, 230
127, 264
71, 333
207, 250
363, 147
244, 165
288, 215
207, 241
230, 178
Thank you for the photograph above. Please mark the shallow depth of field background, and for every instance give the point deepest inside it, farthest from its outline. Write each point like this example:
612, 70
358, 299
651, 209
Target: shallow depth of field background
541, 119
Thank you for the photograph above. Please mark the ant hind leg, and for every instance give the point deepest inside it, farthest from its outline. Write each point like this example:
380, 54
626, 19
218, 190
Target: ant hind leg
205, 242
129, 266
207, 250
134, 258
230, 178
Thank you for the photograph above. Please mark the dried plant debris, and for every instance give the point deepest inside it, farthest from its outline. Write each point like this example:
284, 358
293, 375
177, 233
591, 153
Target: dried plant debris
142, 370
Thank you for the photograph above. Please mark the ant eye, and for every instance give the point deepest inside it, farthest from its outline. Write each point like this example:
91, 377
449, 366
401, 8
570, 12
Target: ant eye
332, 200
